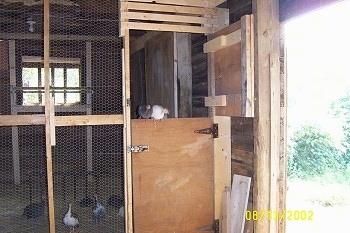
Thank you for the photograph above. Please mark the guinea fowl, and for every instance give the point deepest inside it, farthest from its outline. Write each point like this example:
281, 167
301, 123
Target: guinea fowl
144, 111
158, 112
35, 210
70, 220
98, 212
117, 202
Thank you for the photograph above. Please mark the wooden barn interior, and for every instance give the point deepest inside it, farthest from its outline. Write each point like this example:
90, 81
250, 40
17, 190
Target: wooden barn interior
72, 73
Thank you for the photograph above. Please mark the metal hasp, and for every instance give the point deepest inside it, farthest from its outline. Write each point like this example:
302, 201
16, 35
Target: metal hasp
214, 130
215, 227
135, 149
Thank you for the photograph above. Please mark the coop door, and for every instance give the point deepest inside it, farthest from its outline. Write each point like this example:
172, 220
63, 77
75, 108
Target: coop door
173, 184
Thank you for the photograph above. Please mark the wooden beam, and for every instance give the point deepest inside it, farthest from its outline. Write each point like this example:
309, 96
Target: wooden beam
222, 41
88, 60
62, 60
141, 16
247, 61
166, 27
15, 144
200, 3
39, 119
184, 74
223, 100
129, 227
222, 161
239, 202
48, 117
126, 6
140, 42
267, 111
30, 36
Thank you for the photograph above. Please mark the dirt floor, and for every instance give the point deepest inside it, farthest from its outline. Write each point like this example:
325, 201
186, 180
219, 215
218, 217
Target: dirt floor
13, 200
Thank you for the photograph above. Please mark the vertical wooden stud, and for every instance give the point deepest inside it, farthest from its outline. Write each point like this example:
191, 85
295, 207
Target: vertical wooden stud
15, 144
48, 123
127, 134
176, 65
266, 108
89, 164
222, 161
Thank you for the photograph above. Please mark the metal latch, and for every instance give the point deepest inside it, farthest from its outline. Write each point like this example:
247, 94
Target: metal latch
214, 130
135, 149
215, 227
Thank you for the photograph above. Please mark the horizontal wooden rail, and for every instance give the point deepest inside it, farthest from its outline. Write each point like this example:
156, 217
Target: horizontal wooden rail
79, 120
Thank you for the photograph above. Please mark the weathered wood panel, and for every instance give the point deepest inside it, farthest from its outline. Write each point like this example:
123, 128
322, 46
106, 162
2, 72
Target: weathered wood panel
4, 79
173, 181
228, 78
159, 71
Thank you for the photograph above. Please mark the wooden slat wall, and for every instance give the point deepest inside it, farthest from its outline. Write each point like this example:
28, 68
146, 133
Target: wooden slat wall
159, 71
193, 16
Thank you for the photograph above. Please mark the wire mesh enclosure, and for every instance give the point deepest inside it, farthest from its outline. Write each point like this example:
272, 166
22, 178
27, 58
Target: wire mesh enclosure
85, 80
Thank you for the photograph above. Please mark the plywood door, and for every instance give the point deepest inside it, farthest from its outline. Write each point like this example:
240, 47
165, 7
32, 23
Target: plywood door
173, 181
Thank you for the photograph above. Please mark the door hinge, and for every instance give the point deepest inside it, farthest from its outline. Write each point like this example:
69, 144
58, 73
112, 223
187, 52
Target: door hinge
135, 149
214, 130
215, 227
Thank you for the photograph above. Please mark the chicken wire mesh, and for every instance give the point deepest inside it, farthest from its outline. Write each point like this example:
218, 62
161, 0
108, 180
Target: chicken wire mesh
86, 79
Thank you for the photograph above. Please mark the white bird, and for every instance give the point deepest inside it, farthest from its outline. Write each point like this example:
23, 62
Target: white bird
158, 112
98, 212
69, 220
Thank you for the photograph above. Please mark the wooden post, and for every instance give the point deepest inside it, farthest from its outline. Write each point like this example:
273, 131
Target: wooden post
88, 111
267, 111
48, 113
282, 179
127, 134
184, 73
15, 144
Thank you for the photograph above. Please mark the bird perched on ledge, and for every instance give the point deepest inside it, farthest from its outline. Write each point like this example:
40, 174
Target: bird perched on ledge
159, 112
144, 111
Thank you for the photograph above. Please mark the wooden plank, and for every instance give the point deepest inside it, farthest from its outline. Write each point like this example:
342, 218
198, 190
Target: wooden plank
222, 41
31, 36
247, 48
267, 110
222, 161
60, 60
129, 216
165, 27
211, 80
216, 2
224, 18
199, 3
225, 223
178, 172
223, 100
184, 73
140, 42
39, 119
48, 117
282, 177
168, 18
239, 201
127, 6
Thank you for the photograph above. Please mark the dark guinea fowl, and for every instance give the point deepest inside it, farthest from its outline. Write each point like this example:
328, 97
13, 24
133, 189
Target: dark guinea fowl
70, 219
86, 202
98, 212
116, 201
144, 111
35, 210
